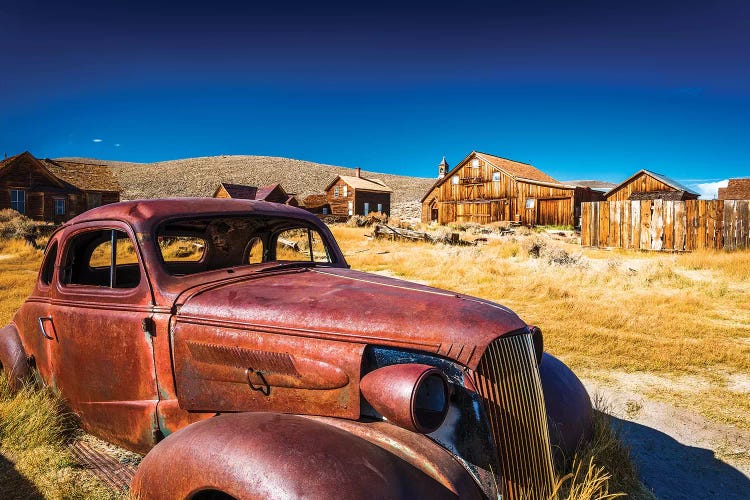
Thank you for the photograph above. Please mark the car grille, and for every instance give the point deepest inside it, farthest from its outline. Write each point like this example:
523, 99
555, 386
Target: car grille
507, 379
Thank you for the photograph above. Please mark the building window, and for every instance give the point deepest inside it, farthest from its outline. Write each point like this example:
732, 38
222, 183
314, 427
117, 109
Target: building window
367, 208
351, 208
18, 200
336, 192
325, 210
59, 206
93, 200
530, 202
475, 162
495, 176
455, 179
380, 208
345, 190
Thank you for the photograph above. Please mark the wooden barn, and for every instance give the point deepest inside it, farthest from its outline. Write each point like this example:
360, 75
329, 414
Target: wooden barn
273, 193
483, 188
647, 185
737, 189
54, 190
357, 195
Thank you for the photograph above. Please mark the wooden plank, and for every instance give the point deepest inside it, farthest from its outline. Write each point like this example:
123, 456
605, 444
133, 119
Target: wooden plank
595, 224
585, 229
743, 212
728, 226
702, 228
614, 224
668, 225
604, 225
679, 226
690, 225
657, 225
645, 224
627, 228
635, 224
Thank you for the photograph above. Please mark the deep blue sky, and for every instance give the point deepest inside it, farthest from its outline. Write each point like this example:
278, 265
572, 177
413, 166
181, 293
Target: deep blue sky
579, 89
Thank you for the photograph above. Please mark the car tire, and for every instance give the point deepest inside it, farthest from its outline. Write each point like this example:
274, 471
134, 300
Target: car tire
15, 367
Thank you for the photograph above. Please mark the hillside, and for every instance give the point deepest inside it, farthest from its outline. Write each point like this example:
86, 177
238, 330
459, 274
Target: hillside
201, 176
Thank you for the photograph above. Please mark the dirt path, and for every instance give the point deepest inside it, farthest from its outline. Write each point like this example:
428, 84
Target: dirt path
679, 453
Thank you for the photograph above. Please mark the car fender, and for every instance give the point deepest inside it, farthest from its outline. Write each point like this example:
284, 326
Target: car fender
275, 456
569, 411
13, 357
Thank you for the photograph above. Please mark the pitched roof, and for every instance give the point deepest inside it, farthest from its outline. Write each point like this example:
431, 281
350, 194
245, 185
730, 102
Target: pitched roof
737, 189
663, 178
593, 184
84, 176
239, 191
516, 168
362, 183
264, 191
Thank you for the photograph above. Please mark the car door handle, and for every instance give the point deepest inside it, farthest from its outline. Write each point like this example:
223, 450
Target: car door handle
43, 330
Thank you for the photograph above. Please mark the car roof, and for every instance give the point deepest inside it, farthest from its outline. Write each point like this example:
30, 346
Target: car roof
145, 214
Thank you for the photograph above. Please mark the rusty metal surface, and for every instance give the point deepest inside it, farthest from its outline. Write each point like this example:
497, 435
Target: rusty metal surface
12, 357
391, 390
114, 473
292, 457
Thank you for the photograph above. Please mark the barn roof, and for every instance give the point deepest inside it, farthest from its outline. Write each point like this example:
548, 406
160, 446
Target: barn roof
593, 184
362, 183
737, 189
516, 169
663, 178
84, 176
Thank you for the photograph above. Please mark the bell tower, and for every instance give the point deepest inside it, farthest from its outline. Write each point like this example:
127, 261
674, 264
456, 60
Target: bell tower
442, 168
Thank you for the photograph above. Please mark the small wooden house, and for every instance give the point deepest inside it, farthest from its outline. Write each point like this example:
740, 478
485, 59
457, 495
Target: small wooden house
273, 193
483, 188
54, 190
737, 189
587, 191
647, 185
357, 195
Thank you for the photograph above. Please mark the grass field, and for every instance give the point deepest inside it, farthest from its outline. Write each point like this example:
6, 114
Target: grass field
682, 319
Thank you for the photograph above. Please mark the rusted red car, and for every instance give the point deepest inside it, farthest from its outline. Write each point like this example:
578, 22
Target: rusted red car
230, 342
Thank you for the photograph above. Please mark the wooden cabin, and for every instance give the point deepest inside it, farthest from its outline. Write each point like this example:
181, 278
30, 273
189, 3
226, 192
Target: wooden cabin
587, 191
357, 195
737, 189
647, 185
273, 193
483, 188
54, 190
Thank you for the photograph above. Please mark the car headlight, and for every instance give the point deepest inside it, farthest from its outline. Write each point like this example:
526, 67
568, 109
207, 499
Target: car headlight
412, 396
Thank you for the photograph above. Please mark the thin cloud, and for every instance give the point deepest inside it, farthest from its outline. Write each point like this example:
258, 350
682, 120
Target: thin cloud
97, 140
117, 145
710, 190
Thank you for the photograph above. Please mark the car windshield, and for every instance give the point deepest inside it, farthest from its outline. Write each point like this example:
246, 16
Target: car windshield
194, 245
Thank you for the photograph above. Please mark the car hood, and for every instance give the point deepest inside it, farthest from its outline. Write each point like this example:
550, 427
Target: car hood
346, 305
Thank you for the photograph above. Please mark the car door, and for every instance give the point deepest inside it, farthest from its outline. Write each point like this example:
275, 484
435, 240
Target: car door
102, 354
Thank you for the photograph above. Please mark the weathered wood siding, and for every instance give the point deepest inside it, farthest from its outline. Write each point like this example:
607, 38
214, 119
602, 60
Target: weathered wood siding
471, 195
666, 225
340, 204
642, 183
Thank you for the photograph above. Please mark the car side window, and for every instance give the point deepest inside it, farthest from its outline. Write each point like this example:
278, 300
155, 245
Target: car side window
301, 244
103, 258
255, 250
48, 268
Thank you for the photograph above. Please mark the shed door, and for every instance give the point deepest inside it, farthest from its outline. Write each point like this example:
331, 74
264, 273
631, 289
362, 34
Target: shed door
554, 212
